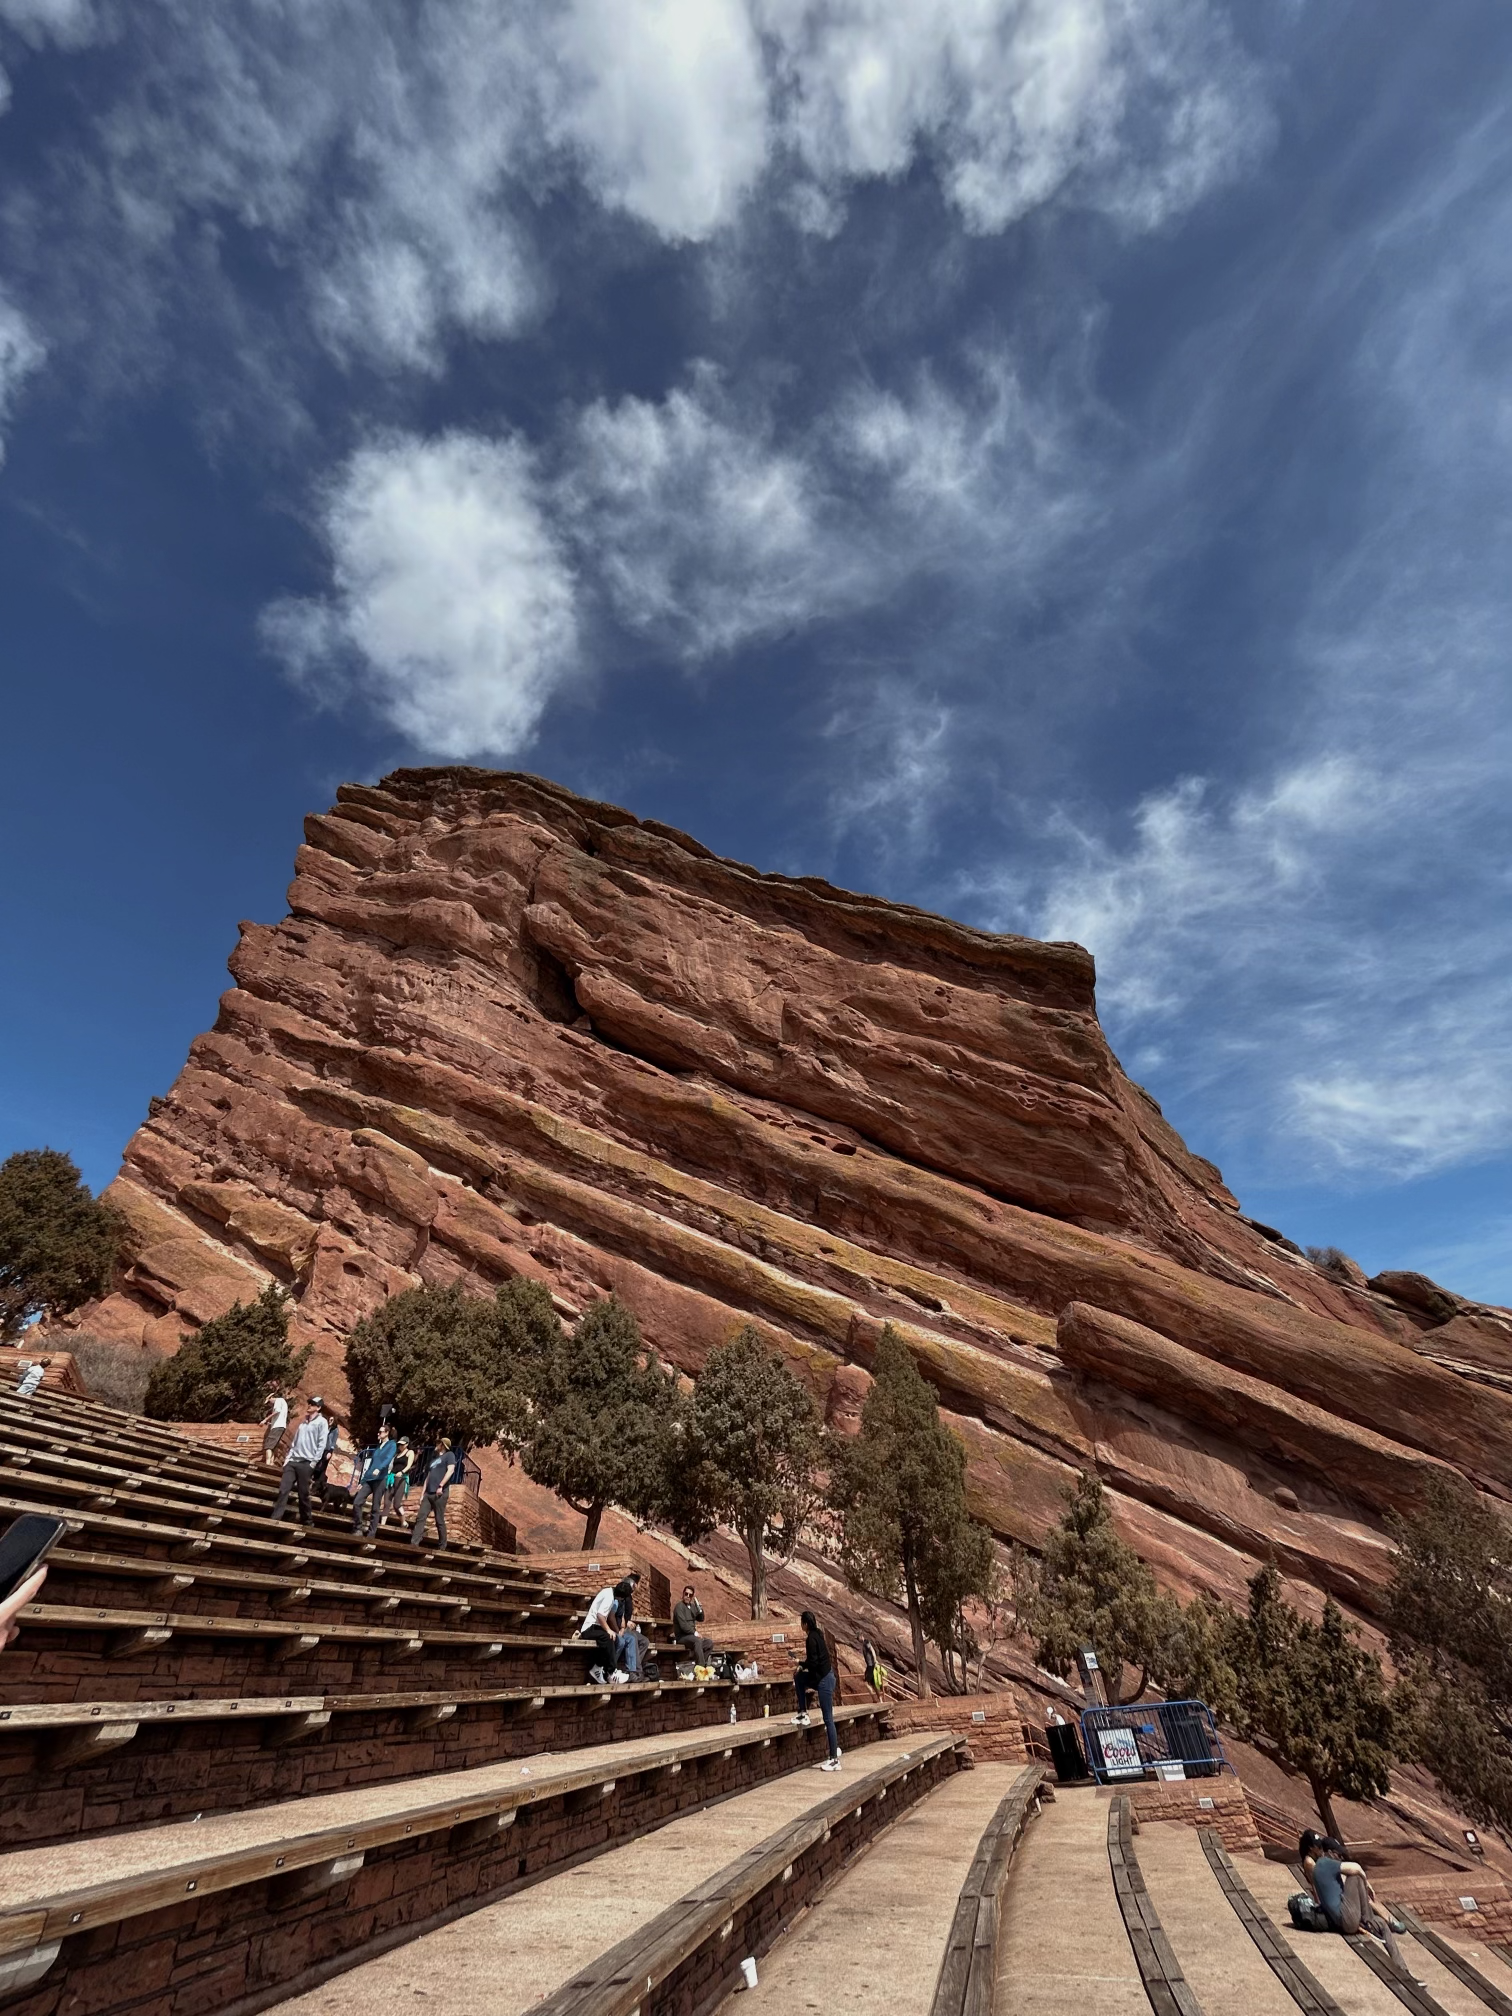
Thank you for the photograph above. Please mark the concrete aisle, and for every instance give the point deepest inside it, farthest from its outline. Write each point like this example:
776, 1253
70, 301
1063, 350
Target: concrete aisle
1063, 1946
505, 1958
1223, 1966
1339, 1968
874, 1942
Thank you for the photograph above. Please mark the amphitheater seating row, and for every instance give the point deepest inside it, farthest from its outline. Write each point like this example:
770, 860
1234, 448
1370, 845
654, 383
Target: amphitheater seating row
258, 1900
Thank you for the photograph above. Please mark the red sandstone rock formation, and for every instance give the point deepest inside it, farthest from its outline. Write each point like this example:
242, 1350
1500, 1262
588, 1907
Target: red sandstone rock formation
504, 1029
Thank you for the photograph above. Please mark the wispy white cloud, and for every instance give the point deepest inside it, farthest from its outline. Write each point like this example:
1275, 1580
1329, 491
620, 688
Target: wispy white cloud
1320, 952
394, 157
21, 353
1136, 109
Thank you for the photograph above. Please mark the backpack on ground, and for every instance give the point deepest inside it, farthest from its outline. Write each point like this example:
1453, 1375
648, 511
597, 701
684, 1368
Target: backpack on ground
1306, 1913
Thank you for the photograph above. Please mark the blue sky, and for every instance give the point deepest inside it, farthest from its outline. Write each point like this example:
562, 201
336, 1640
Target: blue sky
1049, 460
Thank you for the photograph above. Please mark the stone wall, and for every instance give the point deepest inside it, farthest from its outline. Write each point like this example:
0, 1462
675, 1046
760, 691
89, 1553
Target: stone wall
993, 1724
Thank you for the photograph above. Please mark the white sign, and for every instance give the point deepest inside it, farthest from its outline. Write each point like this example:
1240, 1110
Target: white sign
1120, 1750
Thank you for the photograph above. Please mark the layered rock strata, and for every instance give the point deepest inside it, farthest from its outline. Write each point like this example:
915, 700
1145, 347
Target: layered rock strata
507, 1030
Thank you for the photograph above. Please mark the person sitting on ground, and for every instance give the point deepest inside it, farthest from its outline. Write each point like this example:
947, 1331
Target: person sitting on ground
872, 1669
686, 1618
601, 1624
370, 1480
817, 1676
275, 1422
1343, 1892
436, 1483
305, 1451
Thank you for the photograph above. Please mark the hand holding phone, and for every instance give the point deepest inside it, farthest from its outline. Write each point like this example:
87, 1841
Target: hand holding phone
24, 1547
12, 1606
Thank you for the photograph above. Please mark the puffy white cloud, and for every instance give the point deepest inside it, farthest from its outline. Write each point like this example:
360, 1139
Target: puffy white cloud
666, 101
452, 606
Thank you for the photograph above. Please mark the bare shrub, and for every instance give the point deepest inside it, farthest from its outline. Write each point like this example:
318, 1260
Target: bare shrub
115, 1374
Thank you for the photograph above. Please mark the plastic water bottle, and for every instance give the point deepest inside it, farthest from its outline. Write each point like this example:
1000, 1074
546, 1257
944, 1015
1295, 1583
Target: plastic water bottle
733, 1716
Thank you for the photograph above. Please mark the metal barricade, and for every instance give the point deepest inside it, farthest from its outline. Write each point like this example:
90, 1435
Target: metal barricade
1153, 1739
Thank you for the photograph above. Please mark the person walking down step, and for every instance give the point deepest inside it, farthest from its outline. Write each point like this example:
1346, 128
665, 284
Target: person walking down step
371, 1479
873, 1671
399, 1480
601, 1624
817, 1676
435, 1489
275, 1422
686, 1618
305, 1451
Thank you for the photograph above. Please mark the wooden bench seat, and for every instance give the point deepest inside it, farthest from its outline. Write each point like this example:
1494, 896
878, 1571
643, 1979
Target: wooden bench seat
249, 1896
182, 1586
168, 1538
103, 1765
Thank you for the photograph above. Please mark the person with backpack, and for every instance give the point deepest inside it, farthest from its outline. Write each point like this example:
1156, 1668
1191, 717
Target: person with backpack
435, 1485
872, 1669
1343, 1894
371, 1480
400, 1471
817, 1676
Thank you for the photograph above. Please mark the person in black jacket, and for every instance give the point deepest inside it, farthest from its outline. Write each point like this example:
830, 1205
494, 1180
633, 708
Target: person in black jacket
817, 1675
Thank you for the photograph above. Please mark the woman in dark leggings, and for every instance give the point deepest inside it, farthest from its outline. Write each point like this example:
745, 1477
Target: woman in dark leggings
1342, 1891
817, 1675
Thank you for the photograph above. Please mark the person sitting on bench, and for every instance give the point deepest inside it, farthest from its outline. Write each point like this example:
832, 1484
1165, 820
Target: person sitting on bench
686, 1618
1343, 1892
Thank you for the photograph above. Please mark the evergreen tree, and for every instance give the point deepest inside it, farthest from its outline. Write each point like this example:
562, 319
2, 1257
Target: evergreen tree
602, 1413
898, 1489
1094, 1590
58, 1244
1311, 1697
1451, 1638
466, 1363
221, 1373
747, 1456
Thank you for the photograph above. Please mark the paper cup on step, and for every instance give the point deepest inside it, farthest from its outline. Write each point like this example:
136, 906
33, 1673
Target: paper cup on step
748, 1972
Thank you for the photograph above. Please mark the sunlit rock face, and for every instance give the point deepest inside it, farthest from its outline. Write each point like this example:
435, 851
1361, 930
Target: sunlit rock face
507, 1030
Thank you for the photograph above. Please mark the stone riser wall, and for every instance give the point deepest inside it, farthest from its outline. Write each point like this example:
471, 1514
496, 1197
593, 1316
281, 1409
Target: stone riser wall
231, 1953
65, 1666
170, 1771
1181, 1802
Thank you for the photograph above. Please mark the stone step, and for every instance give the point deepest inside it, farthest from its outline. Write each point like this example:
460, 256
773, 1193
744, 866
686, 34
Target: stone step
244, 1904
647, 1918
1062, 1942
876, 1942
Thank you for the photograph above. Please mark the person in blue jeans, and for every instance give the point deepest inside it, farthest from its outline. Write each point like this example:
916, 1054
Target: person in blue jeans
817, 1676
372, 1483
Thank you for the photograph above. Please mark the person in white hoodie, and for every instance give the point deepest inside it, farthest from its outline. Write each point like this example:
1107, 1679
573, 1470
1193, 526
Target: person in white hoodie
305, 1451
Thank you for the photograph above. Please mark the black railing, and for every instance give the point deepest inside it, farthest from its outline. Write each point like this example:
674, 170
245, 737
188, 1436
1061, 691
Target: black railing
1153, 1739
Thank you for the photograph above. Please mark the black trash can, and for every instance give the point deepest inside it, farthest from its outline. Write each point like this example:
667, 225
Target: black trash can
1066, 1752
